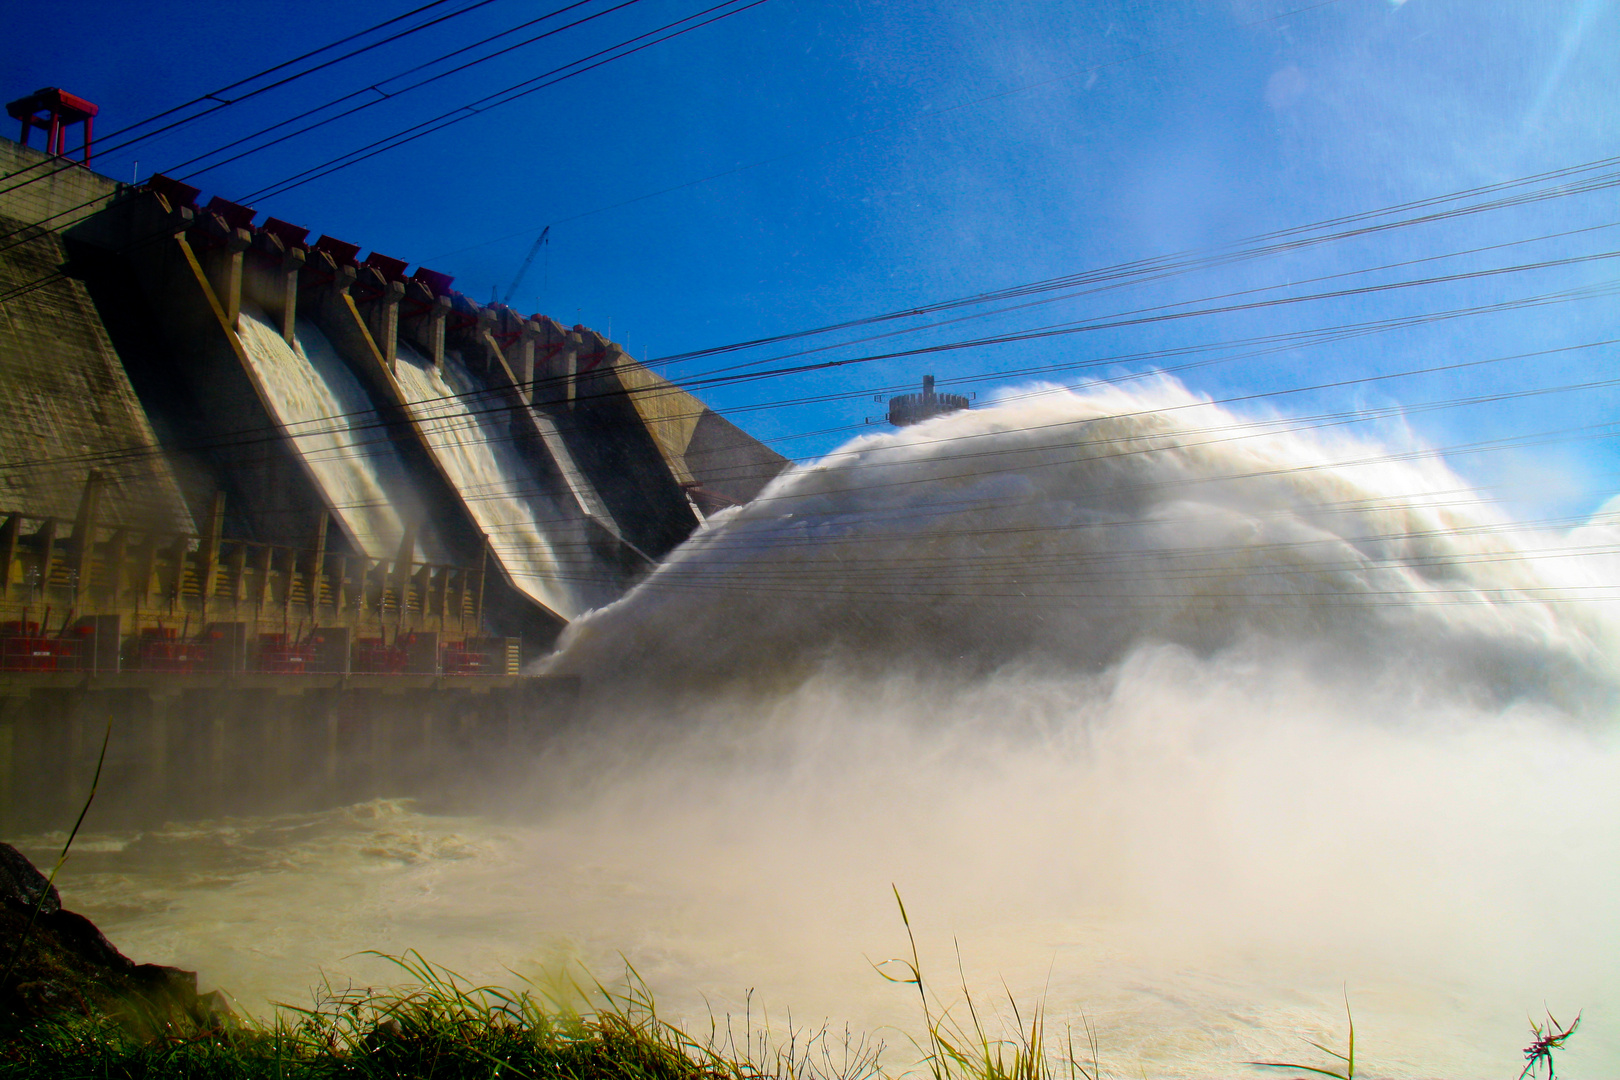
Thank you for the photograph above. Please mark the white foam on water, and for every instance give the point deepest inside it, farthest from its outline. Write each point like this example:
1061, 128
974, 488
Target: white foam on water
1183, 723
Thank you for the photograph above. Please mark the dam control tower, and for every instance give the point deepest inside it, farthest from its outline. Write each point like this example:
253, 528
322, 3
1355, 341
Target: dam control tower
908, 409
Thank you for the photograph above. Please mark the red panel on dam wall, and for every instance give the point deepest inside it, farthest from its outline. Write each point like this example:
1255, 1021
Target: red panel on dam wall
236, 215
389, 267
289, 234
343, 253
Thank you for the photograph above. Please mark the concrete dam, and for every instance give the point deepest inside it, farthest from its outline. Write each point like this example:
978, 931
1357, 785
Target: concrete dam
287, 516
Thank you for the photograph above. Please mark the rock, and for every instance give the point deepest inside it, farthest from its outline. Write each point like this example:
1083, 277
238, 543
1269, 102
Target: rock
79, 934
62, 964
218, 1009
388, 1032
21, 884
168, 981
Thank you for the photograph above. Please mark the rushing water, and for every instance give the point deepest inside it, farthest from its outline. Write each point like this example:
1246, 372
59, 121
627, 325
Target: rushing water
1190, 726
332, 422
541, 547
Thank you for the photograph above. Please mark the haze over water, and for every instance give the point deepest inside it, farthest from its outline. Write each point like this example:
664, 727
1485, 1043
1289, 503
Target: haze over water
1188, 723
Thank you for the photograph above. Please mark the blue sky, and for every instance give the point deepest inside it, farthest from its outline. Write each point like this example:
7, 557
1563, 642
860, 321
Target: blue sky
883, 155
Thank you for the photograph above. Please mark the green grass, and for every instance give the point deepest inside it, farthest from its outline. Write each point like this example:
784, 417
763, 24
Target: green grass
962, 1047
437, 1026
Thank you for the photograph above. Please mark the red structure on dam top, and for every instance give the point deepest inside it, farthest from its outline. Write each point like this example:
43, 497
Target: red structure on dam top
53, 111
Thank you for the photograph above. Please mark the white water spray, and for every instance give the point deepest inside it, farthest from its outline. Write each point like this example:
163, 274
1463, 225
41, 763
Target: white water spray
1064, 534
1185, 723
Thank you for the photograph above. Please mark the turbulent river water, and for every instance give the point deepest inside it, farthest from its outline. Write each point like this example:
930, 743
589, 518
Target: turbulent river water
1188, 725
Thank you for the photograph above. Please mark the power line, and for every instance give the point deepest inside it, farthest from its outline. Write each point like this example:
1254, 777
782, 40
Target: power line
221, 103
1256, 246
376, 422
510, 94
1125, 282
372, 421
1141, 317
386, 96
1245, 429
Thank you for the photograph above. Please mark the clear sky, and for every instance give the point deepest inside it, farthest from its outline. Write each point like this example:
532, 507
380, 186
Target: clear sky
877, 156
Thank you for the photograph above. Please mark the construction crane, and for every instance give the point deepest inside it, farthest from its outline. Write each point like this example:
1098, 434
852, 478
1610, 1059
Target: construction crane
528, 261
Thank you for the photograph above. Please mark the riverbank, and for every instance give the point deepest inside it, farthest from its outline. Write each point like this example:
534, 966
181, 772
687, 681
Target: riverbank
72, 1006
440, 1028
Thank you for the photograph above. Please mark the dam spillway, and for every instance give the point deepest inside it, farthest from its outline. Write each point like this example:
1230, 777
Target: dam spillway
233, 452
543, 547
330, 421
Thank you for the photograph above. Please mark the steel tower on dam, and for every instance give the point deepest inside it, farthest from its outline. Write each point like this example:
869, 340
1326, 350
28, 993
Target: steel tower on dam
260, 489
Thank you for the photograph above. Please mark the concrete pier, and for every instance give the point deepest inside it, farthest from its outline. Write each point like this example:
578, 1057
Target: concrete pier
217, 745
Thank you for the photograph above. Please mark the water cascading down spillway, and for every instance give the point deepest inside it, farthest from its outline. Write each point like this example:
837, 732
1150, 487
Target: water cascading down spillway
333, 424
543, 547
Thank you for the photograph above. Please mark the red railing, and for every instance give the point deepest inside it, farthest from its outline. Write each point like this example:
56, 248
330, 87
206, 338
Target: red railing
280, 656
455, 658
163, 649
372, 657
24, 648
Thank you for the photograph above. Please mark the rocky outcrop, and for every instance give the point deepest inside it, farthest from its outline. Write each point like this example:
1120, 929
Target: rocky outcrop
21, 884
55, 962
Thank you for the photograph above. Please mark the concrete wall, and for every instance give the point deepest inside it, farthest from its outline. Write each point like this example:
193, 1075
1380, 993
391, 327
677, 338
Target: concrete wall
210, 746
700, 446
66, 402
613, 444
49, 192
